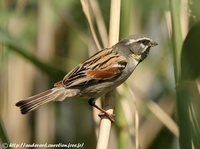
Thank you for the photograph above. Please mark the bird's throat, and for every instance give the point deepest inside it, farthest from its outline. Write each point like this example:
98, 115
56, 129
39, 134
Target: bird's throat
136, 57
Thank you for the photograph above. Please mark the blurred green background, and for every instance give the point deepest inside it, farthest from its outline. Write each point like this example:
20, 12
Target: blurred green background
158, 107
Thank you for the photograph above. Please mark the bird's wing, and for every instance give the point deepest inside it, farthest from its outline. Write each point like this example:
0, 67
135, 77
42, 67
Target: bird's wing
102, 66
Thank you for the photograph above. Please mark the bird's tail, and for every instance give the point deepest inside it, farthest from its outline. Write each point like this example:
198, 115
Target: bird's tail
54, 94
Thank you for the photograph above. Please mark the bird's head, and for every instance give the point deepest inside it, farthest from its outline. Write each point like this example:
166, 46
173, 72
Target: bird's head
136, 46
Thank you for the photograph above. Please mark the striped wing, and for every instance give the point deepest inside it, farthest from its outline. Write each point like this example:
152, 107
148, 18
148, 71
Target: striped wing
103, 65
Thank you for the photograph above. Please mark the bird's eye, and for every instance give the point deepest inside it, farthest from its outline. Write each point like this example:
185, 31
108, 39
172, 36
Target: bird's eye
145, 42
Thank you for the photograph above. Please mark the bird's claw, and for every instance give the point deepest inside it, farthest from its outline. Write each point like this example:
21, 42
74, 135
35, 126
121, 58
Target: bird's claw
111, 117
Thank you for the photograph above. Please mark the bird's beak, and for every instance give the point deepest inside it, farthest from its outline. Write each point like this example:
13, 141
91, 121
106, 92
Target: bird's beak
153, 43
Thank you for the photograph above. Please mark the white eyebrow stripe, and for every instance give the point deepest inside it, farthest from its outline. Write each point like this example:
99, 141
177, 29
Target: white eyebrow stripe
133, 40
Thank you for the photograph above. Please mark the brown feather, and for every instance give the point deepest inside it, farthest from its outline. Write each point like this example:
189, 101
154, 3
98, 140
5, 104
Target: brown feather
103, 74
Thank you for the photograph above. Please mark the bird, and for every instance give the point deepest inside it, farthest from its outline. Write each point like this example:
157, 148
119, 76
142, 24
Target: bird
96, 76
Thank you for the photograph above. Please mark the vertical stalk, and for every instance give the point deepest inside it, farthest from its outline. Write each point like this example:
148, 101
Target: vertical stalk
105, 124
182, 91
176, 36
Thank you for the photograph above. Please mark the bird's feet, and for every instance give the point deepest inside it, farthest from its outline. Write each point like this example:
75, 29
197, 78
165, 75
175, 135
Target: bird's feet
103, 113
111, 117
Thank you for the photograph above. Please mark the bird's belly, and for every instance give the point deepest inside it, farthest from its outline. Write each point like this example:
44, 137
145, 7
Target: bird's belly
95, 91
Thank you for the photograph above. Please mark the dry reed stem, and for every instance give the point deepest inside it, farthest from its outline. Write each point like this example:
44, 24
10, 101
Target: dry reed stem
184, 17
100, 22
105, 124
137, 120
86, 10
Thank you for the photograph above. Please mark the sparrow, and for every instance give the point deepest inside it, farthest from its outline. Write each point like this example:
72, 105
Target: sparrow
96, 76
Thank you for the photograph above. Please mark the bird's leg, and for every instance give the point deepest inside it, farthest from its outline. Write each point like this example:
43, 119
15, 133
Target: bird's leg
105, 113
